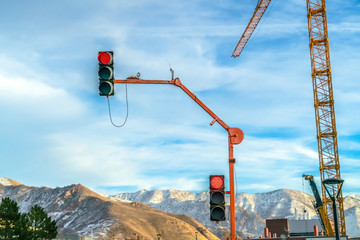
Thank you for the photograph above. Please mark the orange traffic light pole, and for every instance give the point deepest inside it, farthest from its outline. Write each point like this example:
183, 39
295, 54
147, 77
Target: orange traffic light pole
235, 136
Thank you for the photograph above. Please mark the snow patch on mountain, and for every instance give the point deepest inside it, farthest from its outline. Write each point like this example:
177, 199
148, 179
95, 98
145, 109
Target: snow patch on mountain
5, 181
251, 209
8, 182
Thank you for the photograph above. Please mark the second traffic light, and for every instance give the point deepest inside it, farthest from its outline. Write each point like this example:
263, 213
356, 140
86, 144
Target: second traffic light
106, 73
217, 197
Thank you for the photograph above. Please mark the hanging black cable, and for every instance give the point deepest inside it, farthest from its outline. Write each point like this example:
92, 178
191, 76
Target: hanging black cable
127, 110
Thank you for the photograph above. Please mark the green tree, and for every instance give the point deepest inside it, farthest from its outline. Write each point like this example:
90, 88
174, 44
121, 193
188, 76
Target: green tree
40, 225
23, 228
35, 224
9, 218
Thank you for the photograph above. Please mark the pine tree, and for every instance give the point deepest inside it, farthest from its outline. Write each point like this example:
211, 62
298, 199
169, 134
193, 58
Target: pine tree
9, 218
35, 224
22, 228
40, 224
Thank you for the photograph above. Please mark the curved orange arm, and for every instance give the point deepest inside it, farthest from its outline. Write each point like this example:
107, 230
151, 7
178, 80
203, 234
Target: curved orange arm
235, 134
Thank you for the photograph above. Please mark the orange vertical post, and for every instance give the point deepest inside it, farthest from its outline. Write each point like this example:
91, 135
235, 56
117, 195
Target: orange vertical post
235, 136
316, 230
266, 232
232, 190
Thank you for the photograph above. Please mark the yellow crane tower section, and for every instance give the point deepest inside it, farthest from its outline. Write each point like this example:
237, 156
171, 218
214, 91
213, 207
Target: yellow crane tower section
255, 19
324, 104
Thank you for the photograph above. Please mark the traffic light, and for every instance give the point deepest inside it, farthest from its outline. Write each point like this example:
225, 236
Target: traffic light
106, 73
217, 197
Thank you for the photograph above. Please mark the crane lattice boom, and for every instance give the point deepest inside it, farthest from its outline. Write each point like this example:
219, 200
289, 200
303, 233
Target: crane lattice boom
324, 103
255, 19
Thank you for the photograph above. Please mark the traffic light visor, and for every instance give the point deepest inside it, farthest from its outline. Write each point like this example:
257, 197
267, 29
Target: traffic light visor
216, 182
104, 58
217, 213
217, 198
105, 73
105, 88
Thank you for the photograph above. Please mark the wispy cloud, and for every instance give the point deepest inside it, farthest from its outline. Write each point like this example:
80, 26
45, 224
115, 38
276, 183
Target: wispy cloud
52, 111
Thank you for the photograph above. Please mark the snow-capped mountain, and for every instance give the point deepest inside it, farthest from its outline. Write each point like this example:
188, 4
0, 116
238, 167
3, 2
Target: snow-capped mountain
80, 211
251, 209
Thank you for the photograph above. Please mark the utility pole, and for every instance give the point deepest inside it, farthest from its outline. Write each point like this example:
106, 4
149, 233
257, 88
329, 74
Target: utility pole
235, 136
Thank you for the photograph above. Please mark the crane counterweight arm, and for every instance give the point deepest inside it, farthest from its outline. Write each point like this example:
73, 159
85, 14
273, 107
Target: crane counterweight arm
255, 19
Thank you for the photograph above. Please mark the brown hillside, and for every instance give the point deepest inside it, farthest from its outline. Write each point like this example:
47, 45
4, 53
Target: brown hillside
9, 182
80, 211
141, 220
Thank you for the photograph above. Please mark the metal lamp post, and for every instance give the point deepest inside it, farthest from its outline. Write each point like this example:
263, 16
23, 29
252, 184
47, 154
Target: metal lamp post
331, 184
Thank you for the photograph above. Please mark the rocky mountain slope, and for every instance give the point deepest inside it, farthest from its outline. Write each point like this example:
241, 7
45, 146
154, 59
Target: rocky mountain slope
252, 209
145, 213
78, 210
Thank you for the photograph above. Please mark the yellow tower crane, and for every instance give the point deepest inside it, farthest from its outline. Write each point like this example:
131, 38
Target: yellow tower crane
323, 95
324, 104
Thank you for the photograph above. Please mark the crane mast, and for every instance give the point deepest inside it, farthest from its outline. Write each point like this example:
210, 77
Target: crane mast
324, 104
255, 19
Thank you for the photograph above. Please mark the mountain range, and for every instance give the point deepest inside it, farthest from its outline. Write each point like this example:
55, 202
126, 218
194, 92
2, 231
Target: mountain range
251, 209
82, 212
172, 213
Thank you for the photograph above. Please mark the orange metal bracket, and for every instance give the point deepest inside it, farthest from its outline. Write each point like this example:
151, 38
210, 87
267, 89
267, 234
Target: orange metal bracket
235, 136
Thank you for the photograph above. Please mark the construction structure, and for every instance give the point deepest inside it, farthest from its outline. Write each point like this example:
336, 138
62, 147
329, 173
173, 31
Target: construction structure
255, 19
324, 105
329, 164
323, 102
319, 207
285, 229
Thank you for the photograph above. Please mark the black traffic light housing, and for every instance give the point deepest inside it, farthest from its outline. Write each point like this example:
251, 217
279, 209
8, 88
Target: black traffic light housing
106, 73
217, 197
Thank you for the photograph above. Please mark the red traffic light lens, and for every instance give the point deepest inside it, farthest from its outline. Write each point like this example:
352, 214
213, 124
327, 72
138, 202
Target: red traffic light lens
104, 58
216, 182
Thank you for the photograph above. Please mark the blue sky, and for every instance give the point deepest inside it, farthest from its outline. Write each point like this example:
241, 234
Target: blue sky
55, 128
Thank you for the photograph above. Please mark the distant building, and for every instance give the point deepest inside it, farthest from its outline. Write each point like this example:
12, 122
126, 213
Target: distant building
277, 227
284, 229
305, 227
292, 228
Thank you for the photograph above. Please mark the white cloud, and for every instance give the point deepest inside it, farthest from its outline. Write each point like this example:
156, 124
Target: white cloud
49, 70
43, 101
351, 183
